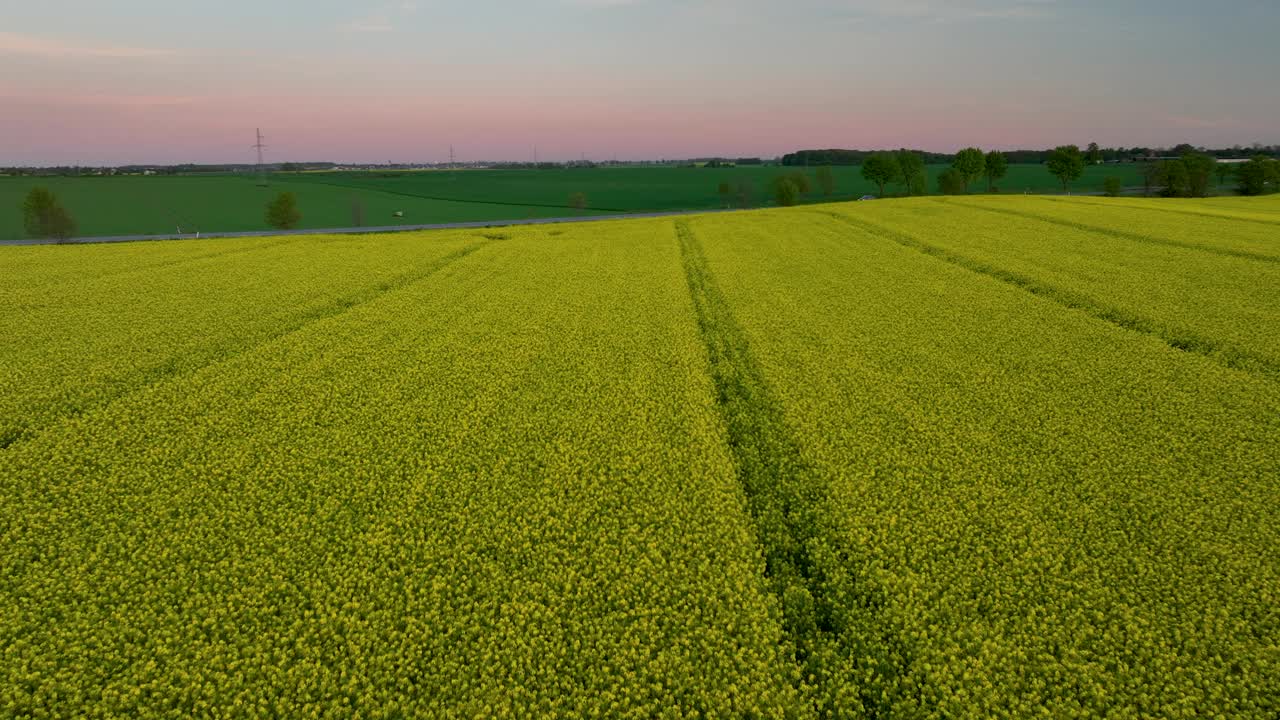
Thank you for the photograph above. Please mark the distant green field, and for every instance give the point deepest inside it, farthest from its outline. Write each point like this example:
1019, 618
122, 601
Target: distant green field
162, 205
659, 188
169, 204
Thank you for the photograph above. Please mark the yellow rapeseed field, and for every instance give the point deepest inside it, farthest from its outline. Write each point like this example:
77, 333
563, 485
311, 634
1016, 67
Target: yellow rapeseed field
988, 457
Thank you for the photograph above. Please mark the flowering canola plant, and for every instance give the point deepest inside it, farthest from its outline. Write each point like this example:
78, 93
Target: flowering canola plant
981, 457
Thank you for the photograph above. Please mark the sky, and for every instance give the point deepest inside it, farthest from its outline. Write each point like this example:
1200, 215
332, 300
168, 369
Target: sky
167, 81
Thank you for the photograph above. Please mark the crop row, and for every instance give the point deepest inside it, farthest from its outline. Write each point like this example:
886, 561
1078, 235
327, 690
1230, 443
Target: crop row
1263, 210
762, 465
93, 323
499, 491
1035, 513
1220, 305
1221, 234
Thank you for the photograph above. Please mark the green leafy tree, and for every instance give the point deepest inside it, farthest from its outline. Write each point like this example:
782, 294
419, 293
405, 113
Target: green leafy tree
1066, 163
745, 193
970, 163
357, 211
1111, 186
1095, 154
997, 166
45, 217
1258, 176
1199, 173
881, 168
911, 172
282, 212
578, 201
826, 180
1150, 177
1223, 171
725, 191
785, 192
801, 181
951, 182
1171, 175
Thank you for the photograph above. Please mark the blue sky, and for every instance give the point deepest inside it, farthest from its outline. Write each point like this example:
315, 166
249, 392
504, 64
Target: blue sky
140, 80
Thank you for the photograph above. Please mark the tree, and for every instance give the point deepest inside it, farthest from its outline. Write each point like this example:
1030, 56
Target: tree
1150, 177
785, 192
826, 180
1258, 176
1112, 186
578, 201
282, 212
1095, 154
881, 168
357, 211
951, 182
1224, 171
725, 191
801, 181
997, 165
970, 163
911, 172
1172, 176
746, 193
1199, 169
1066, 163
45, 217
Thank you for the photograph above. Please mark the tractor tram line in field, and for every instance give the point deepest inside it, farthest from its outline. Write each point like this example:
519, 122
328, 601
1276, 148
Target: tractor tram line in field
805, 563
1120, 234
145, 377
823, 462
1224, 215
1228, 355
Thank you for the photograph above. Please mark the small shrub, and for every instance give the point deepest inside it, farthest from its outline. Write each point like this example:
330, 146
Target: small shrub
283, 213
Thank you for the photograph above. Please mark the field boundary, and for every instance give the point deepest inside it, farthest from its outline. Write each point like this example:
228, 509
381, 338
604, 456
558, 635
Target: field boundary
441, 198
827, 617
144, 378
386, 229
1119, 234
1223, 353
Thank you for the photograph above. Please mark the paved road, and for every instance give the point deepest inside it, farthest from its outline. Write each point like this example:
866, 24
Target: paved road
359, 230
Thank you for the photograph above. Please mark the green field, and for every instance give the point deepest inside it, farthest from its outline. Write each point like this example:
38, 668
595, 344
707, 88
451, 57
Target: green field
988, 457
161, 205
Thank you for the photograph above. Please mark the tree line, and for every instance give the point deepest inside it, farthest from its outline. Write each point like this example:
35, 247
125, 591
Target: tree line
1190, 175
818, 158
1094, 154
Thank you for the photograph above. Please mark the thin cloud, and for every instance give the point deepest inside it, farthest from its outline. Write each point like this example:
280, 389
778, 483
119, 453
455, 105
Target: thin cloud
376, 23
846, 11
948, 11
20, 44
382, 21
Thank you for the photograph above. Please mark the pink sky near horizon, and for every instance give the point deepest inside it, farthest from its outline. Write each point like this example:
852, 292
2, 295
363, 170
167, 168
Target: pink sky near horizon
375, 94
